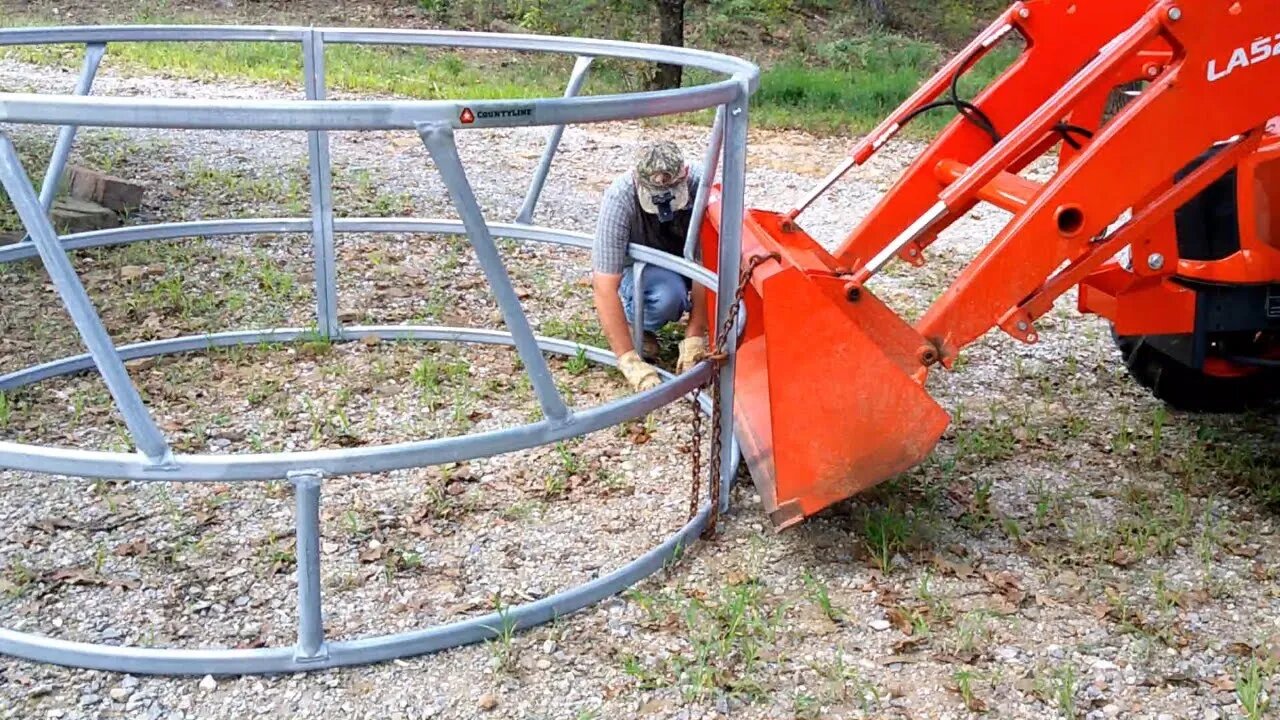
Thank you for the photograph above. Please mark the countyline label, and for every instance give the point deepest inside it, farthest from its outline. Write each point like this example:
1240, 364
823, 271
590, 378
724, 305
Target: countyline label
509, 115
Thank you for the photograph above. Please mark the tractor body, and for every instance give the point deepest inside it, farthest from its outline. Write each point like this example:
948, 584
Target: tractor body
1164, 212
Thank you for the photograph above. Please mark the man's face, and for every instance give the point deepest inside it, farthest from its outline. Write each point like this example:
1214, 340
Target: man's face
664, 193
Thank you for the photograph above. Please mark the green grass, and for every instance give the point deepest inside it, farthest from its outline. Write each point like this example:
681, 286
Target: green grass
1065, 684
860, 81
411, 72
847, 85
885, 532
820, 595
1251, 684
726, 635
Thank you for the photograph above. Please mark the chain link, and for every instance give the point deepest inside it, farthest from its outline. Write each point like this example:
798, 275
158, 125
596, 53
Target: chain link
718, 357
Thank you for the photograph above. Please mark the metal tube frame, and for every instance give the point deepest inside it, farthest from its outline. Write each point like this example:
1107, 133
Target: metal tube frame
637, 304
93, 54
320, 167
435, 122
576, 80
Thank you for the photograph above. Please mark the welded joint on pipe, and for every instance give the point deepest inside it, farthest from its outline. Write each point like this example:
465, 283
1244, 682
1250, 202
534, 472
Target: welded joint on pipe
309, 478
163, 463
433, 130
744, 96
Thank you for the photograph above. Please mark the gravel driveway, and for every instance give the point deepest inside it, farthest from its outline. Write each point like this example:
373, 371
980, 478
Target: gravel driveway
1072, 549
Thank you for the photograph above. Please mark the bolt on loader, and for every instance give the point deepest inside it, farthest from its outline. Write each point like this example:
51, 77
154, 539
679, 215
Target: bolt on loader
1163, 214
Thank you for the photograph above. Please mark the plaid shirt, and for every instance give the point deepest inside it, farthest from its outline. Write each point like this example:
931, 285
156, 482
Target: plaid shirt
619, 223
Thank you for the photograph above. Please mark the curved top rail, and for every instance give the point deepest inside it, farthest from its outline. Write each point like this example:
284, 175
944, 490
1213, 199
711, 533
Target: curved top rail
374, 114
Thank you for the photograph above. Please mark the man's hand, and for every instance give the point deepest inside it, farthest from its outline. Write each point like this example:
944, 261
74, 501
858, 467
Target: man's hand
639, 373
692, 349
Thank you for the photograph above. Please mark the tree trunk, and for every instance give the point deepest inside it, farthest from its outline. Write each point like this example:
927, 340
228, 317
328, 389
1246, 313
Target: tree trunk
880, 11
670, 32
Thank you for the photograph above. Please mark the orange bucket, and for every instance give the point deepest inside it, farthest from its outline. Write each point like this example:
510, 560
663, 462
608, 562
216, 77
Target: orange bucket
829, 396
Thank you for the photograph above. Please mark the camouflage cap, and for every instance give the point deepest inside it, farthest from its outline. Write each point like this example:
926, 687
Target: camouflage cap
660, 168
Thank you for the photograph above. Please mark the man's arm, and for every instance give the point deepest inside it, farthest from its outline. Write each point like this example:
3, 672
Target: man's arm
608, 260
609, 309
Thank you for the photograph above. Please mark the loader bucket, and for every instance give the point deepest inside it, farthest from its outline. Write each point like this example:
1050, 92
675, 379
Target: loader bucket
829, 396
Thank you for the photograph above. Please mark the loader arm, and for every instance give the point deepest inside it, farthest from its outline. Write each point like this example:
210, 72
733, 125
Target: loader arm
1210, 68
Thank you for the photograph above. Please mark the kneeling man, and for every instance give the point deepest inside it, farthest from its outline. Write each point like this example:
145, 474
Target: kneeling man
649, 205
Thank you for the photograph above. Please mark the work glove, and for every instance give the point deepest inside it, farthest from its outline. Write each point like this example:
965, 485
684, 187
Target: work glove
639, 373
692, 349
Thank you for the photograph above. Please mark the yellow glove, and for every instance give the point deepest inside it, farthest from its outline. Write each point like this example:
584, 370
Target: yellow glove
692, 349
639, 373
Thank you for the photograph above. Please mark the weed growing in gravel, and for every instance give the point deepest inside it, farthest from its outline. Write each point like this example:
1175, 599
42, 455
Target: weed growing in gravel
361, 194
554, 486
1064, 689
430, 374
843, 683
279, 285
806, 706
1251, 691
1158, 418
725, 634
315, 343
17, 578
501, 647
284, 194
570, 464
6, 410
352, 523
520, 510
578, 364
400, 561
971, 634
980, 442
885, 532
578, 330
818, 593
964, 686
979, 516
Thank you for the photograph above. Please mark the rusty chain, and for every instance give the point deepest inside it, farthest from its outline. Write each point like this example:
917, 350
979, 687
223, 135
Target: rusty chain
717, 357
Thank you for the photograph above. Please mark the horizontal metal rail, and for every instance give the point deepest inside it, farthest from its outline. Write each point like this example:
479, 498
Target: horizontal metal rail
372, 114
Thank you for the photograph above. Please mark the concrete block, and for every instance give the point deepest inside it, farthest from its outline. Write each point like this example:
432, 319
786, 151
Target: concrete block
72, 216
109, 191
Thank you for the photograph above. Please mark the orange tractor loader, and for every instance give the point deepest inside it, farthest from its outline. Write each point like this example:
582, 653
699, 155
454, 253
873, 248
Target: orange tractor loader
1164, 214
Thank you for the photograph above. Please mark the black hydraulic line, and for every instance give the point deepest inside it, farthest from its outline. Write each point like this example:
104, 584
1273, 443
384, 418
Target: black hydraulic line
980, 119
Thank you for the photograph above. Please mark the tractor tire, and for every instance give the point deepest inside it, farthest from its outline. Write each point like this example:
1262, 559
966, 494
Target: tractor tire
1186, 388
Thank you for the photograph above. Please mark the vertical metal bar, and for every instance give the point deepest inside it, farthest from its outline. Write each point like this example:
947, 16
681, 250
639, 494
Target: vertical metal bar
730, 260
710, 164
93, 53
23, 196
576, 80
438, 137
637, 305
306, 489
321, 193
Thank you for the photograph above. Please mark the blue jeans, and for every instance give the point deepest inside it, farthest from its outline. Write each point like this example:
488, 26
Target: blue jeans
666, 296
